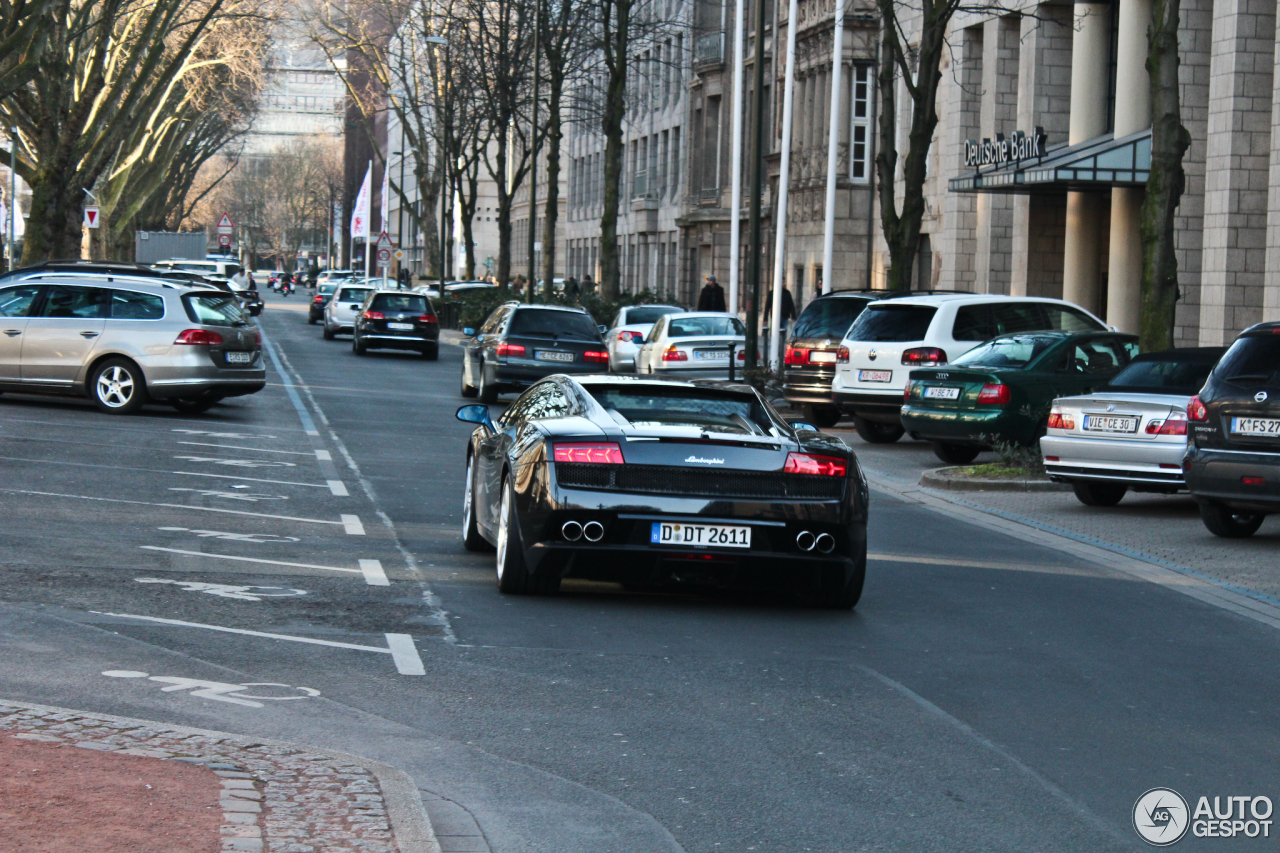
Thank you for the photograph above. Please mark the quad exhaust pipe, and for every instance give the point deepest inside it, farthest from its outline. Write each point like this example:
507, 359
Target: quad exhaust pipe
592, 531
823, 542
571, 531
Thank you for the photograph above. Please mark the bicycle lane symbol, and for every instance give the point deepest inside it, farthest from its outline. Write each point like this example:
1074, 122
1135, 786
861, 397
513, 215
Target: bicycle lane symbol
218, 690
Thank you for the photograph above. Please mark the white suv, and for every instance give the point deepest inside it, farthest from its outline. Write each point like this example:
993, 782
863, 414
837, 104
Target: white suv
894, 336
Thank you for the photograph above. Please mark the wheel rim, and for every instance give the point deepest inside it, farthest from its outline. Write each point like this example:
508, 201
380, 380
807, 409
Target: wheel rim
503, 533
466, 499
115, 387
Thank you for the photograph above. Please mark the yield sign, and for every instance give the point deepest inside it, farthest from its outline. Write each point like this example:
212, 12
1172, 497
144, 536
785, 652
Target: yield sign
225, 225
91, 217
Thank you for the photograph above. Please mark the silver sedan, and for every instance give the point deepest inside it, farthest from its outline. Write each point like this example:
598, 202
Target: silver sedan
695, 345
627, 331
1130, 435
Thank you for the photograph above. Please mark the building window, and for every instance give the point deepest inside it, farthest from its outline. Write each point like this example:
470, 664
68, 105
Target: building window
860, 131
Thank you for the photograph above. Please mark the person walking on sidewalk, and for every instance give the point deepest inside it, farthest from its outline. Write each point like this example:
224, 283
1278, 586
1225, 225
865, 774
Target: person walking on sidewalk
712, 296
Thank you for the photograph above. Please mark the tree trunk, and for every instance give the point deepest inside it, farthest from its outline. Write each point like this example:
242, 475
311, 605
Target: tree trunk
1169, 142
467, 199
615, 108
504, 215
56, 217
552, 210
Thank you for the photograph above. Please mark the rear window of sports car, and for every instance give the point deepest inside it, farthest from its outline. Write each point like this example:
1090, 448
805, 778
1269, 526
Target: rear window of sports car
645, 406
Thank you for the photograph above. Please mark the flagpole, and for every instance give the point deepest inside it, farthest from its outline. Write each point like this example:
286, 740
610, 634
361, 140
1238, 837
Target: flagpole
833, 144
784, 177
368, 225
735, 220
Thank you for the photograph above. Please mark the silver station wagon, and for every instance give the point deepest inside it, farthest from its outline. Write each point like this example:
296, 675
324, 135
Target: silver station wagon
126, 343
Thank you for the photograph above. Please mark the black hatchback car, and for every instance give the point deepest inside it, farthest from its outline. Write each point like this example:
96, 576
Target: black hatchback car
1232, 464
520, 344
810, 361
393, 319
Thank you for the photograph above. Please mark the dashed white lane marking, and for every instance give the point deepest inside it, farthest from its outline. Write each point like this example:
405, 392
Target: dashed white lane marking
353, 525
339, 488
251, 497
324, 456
176, 506
405, 655
238, 463
373, 573
237, 447
222, 434
250, 559
251, 479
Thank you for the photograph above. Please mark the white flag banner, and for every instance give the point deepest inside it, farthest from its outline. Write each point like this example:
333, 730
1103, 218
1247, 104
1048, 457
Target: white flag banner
337, 222
360, 211
386, 195
4, 220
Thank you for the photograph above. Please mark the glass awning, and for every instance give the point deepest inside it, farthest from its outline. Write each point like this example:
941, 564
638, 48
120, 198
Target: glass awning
1094, 164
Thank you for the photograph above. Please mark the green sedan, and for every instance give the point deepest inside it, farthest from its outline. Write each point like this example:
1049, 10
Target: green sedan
1002, 390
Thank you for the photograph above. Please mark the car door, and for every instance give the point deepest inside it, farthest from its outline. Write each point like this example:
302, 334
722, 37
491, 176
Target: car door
63, 333
491, 456
644, 356
15, 304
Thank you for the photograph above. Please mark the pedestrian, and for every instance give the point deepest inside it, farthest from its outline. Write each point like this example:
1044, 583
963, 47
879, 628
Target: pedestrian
588, 286
712, 296
402, 279
241, 280
788, 309
519, 283
571, 287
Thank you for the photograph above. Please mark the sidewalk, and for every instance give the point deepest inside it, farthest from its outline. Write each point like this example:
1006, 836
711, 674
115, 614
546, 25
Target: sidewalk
112, 784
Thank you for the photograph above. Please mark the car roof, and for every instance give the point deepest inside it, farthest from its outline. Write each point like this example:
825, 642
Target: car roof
395, 292
687, 314
158, 285
1204, 354
1061, 333
652, 305
568, 309
1269, 327
622, 380
936, 299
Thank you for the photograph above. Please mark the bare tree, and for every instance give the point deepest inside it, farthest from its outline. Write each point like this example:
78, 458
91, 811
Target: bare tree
22, 41
563, 46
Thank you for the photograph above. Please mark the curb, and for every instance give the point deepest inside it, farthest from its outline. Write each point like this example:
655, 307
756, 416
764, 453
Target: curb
939, 478
405, 812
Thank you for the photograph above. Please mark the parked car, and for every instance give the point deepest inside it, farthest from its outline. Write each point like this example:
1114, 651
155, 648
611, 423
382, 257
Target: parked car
82, 267
1232, 464
693, 345
324, 291
124, 343
1002, 390
394, 319
628, 329
333, 276
457, 288
657, 483
1131, 433
431, 291
340, 312
891, 337
217, 268
520, 344
809, 365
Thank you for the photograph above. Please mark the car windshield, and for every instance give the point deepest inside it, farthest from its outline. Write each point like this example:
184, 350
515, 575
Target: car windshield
326, 289
354, 294
692, 327
214, 309
1170, 375
892, 323
538, 323
828, 317
402, 303
709, 409
649, 313
1252, 358
1015, 352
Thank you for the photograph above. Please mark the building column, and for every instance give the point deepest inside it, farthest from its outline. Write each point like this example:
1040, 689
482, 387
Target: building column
999, 114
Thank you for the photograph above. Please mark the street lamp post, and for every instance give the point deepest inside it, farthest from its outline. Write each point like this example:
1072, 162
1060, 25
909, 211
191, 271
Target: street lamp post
533, 131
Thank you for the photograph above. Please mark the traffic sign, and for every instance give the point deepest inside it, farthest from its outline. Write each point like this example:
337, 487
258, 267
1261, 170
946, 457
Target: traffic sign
225, 225
399, 255
224, 240
91, 216
384, 241
384, 251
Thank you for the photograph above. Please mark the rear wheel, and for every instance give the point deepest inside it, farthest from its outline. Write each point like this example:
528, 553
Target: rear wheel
328, 333
195, 407
514, 577
488, 393
357, 345
874, 433
1099, 494
311, 321
1228, 523
117, 387
823, 417
955, 454
431, 353
471, 538
842, 589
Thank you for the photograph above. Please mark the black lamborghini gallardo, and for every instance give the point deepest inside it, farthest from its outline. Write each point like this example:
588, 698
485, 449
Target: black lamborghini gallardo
654, 483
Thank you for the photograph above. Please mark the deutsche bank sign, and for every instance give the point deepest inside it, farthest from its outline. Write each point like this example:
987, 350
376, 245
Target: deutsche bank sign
1001, 152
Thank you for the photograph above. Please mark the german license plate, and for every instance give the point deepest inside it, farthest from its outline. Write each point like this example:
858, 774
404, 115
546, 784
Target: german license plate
1256, 426
239, 357
875, 375
1110, 423
936, 393
818, 357
552, 355
711, 354
701, 535
400, 327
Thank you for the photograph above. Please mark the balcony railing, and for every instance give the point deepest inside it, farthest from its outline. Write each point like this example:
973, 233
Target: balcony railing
708, 50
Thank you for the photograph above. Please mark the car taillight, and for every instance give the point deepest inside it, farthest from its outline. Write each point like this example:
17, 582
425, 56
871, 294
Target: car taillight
510, 349
842, 355
1057, 420
374, 315
199, 338
257, 339
796, 355
319, 298
1196, 410
924, 356
598, 453
630, 337
595, 356
742, 355
906, 391
1175, 424
673, 354
428, 318
809, 463
995, 394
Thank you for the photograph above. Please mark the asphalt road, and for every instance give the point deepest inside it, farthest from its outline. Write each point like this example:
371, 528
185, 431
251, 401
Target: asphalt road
987, 694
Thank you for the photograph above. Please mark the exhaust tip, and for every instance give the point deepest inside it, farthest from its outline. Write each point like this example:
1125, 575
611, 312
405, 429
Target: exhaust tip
805, 540
593, 530
825, 542
572, 531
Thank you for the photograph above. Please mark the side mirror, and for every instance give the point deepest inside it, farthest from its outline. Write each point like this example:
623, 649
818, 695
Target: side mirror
603, 328
468, 331
799, 425
476, 415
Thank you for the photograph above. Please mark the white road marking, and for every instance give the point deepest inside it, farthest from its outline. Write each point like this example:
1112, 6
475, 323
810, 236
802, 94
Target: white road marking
234, 496
324, 456
250, 479
405, 655
173, 506
338, 488
250, 559
237, 537
222, 590
353, 525
222, 434
218, 690
236, 447
373, 573
238, 463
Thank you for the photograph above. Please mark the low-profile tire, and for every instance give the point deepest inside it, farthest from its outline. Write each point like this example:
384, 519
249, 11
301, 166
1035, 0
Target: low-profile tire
955, 454
195, 407
472, 539
311, 321
1223, 521
487, 393
875, 433
823, 417
1099, 493
841, 590
513, 571
467, 391
328, 333
431, 353
357, 346
117, 387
